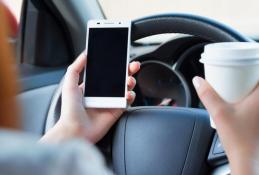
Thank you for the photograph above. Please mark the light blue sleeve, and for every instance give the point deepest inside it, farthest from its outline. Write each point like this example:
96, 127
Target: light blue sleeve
22, 155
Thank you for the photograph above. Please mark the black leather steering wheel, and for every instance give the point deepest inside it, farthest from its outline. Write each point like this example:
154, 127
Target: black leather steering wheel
155, 140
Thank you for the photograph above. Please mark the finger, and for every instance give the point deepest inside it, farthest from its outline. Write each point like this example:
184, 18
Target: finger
73, 71
215, 105
79, 64
131, 97
81, 87
134, 67
131, 83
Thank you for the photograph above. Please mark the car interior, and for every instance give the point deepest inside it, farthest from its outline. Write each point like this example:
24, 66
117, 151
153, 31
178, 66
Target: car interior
166, 130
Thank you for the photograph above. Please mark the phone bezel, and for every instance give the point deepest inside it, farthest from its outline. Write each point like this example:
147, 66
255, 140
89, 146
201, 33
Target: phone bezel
107, 102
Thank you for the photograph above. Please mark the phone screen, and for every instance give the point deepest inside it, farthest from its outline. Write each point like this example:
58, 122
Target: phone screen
106, 62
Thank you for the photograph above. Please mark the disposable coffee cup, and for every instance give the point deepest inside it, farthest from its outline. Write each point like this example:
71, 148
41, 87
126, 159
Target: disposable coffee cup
232, 69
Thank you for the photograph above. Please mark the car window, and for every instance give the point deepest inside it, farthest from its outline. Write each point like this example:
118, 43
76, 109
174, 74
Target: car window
12, 10
242, 15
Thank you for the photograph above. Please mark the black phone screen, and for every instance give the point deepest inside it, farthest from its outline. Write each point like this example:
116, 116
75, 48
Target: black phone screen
106, 62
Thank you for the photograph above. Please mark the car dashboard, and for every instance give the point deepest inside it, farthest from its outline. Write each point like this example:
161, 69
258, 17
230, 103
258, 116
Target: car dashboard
165, 78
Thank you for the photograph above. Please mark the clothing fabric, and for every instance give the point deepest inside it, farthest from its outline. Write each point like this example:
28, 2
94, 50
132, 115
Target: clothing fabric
21, 154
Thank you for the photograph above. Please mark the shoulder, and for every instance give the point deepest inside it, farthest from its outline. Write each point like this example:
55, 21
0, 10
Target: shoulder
22, 154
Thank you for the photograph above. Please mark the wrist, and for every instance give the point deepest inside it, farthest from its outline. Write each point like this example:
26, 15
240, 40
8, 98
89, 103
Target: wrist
60, 133
53, 135
242, 163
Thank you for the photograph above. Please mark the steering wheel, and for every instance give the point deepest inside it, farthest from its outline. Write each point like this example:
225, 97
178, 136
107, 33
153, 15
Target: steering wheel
162, 140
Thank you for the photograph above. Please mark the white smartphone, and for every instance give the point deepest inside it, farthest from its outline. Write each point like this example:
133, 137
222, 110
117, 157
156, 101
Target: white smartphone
106, 72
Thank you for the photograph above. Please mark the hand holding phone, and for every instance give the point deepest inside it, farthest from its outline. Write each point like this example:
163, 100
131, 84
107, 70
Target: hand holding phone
107, 49
76, 121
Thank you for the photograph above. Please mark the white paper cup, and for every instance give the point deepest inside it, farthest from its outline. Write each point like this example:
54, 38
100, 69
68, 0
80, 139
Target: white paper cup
232, 69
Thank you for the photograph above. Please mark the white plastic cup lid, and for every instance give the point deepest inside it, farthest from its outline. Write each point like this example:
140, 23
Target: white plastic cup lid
231, 51
230, 63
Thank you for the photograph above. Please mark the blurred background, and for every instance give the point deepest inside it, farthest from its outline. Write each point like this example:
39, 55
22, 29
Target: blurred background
231, 12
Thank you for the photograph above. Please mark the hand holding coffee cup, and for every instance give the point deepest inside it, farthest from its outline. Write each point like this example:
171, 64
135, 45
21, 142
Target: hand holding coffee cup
232, 69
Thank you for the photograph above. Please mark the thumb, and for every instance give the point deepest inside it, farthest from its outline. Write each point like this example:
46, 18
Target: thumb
215, 105
73, 73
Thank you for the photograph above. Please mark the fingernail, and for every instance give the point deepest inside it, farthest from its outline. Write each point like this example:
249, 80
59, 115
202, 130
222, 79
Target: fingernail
137, 62
132, 94
197, 82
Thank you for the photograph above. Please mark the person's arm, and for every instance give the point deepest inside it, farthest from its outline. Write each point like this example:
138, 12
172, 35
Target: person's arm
76, 121
237, 125
21, 155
